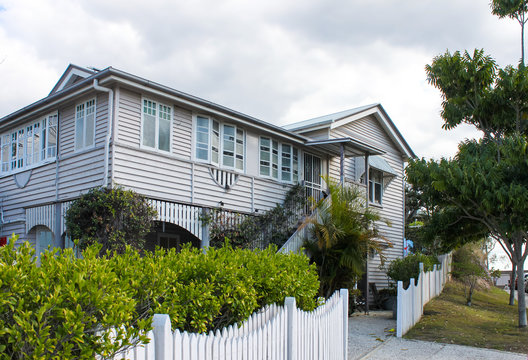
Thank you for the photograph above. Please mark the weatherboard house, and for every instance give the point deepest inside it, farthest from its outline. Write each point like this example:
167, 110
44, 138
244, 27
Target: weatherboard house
108, 127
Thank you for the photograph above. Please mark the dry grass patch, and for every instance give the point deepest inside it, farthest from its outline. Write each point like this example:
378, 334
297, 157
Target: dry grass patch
489, 323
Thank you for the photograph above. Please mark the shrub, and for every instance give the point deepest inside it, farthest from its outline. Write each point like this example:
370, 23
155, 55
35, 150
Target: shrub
113, 218
409, 267
468, 268
65, 307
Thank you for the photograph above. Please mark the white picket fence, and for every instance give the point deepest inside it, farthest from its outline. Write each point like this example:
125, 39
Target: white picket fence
412, 300
275, 333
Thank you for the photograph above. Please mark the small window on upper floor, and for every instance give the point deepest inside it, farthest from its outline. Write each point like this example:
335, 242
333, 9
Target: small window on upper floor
375, 186
29, 145
85, 125
278, 161
219, 144
156, 125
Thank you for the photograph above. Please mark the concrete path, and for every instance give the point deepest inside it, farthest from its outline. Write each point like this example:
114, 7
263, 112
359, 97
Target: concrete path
374, 337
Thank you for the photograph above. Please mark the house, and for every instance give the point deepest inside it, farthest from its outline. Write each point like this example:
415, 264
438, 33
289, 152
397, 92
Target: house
186, 154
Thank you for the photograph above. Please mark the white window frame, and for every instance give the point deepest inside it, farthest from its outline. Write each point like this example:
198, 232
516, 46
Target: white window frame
277, 161
158, 105
83, 143
44, 153
221, 144
375, 185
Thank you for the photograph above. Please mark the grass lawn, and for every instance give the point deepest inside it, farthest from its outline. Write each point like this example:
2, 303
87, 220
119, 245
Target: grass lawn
489, 323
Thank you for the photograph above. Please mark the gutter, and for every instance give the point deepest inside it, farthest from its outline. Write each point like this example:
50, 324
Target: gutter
110, 112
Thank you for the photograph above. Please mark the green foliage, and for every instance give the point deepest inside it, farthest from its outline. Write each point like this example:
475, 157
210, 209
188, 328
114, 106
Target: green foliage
273, 227
113, 218
344, 232
513, 9
468, 267
65, 307
407, 268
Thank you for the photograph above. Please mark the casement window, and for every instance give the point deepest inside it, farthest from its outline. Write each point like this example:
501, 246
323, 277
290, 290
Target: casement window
29, 145
156, 125
219, 144
375, 186
278, 161
85, 125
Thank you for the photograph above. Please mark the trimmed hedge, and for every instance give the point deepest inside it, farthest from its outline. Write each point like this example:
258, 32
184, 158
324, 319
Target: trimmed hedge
409, 267
64, 307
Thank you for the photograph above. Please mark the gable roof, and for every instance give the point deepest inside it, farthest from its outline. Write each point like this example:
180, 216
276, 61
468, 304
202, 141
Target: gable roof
341, 118
71, 75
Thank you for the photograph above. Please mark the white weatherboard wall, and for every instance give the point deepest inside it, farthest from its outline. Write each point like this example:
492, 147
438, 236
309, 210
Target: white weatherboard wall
275, 333
412, 300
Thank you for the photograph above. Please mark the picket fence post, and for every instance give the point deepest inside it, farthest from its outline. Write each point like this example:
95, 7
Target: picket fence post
291, 351
162, 332
343, 293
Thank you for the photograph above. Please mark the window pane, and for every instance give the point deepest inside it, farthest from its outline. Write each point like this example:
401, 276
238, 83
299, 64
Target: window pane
36, 143
79, 128
202, 138
295, 166
90, 130
29, 145
286, 162
149, 130
5, 152
275, 159
264, 156
228, 158
164, 135
52, 136
215, 142
377, 193
20, 150
164, 128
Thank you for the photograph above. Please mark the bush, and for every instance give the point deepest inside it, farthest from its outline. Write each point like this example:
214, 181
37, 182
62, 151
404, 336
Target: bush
65, 307
409, 267
468, 268
113, 218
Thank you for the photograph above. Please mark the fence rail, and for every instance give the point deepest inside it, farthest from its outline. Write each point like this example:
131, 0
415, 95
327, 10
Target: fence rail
275, 333
412, 300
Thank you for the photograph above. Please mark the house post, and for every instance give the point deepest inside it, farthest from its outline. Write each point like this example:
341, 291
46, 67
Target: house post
366, 206
342, 165
58, 223
205, 228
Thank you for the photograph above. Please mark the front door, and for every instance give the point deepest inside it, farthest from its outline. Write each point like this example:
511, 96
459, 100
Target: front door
312, 176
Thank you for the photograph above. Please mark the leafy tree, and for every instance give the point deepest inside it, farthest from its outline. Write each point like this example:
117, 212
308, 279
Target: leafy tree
113, 217
344, 232
468, 267
513, 9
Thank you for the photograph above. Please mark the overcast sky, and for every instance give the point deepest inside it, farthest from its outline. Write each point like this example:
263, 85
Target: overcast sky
278, 60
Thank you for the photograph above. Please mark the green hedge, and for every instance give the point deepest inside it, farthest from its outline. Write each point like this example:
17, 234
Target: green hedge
64, 307
409, 267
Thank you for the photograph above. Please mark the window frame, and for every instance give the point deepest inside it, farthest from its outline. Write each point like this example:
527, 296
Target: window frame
84, 145
157, 118
45, 152
211, 133
375, 187
294, 165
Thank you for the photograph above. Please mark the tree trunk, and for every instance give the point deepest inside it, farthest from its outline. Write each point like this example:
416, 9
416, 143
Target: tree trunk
512, 285
521, 298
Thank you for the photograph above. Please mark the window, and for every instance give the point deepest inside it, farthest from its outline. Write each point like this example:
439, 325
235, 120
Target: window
85, 125
375, 186
29, 145
219, 144
156, 125
279, 161
286, 163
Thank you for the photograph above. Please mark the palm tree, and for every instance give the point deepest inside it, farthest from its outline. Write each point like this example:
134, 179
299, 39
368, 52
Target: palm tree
343, 233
